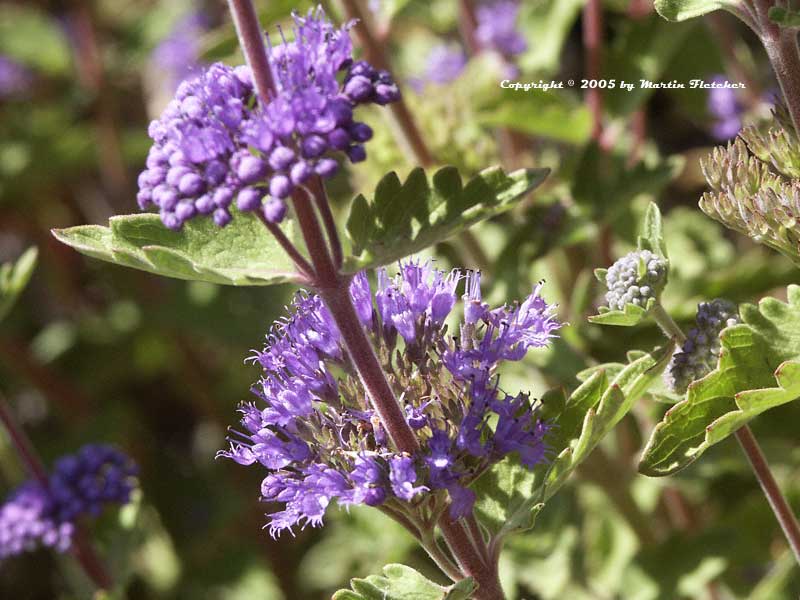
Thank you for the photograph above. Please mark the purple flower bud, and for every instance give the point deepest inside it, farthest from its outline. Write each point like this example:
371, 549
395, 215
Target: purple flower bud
175, 174
251, 169
280, 186
361, 132
274, 210
327, 168
300, 172
341, 110
356, 153
281, 158
144, 198
362, 67
165, 197
249, 199
191, 184
221, 217
386, 93
358, 88
313, 146
205, 204
192, 107
216, 171
223, 197
171, 220
185, 210
339, 139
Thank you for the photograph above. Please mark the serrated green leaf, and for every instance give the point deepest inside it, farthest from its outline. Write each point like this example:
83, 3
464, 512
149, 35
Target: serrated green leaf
759, 369
406, 217
510, 495
243, 253
400, 582
680, 10
14, 277
630, 317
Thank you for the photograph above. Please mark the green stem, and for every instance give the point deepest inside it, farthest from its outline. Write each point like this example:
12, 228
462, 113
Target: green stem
667, 324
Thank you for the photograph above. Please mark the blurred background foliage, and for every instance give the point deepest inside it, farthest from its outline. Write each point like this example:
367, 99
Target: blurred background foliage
95, 352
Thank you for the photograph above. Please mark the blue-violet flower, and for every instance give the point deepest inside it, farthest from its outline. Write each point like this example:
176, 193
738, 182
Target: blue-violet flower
313, 427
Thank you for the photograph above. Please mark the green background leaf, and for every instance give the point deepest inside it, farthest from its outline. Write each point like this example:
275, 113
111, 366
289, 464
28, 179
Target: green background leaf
680, 10
13, 279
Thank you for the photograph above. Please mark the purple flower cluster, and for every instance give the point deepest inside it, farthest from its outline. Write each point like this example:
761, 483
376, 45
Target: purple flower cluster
497, 27
215, 143
726, 110
444, 64
313, 427
80, 484
179, 53
14, 77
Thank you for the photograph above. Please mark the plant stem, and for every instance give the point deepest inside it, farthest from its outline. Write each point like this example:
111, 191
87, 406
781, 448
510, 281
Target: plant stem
778, 503
470, 561
781, 46
667, 324
324, 207
82, 548
251, 38
298, 259
593, 46
338, 301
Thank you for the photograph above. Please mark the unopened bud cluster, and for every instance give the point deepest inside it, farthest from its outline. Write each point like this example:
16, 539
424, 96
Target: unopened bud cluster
699, 354
755, 185
634, 279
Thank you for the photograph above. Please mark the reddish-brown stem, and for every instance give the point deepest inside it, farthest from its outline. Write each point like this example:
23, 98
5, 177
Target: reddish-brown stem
81, 546
782, 49
323, 205
470, 560
777, 501
326, 274
593, 52
251, 39
298, 259
369, 369
376, 55
467, 23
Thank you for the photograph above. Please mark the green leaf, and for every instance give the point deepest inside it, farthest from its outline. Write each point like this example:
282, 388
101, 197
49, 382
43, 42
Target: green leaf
13, 279
510, 495
652, 234
243, 253
680, 10
406, 217
400, 582
630, 317
31, 36
759, 369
